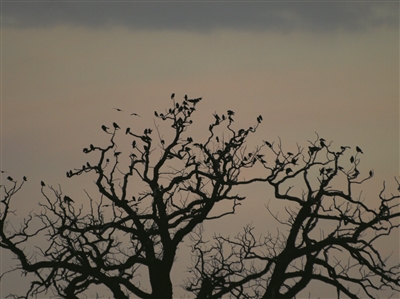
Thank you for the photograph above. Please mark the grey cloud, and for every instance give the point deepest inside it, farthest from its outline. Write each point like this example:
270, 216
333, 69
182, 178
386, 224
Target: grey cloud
204, 16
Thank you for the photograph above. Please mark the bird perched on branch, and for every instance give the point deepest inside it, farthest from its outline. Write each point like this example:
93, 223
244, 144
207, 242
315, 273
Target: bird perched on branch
68, 199
359, 150
116, 127
104, 128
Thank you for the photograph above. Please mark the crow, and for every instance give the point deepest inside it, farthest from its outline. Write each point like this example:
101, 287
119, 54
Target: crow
359, 150
10, 179
135, 114
268, 144
351, 159
24, 178
371, 173
68, 199
42, 184
119, 110
127, 130
116, 127
172, 96
104, 128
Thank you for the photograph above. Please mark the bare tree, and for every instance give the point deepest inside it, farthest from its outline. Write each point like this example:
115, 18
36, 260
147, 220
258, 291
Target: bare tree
332, 235
158, 192
144, 210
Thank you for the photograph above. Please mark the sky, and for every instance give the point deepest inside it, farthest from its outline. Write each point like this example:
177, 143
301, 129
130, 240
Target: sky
330, 67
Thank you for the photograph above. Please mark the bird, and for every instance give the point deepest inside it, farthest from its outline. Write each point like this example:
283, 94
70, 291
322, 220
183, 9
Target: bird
10, 179
351, 159
127, 130
119, 110
135, 114
24, 178
42, 184
288, 170
371, 173
104, 128
172, 96
67, 199
116, 127
268, 144
359, 150
230, 112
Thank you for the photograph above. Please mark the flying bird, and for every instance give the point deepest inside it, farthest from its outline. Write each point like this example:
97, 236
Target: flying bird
104, 128
116, 127
359, 150
135, 114
119, 110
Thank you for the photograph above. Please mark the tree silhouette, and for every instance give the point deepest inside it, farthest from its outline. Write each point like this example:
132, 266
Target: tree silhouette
331, 236
170, 185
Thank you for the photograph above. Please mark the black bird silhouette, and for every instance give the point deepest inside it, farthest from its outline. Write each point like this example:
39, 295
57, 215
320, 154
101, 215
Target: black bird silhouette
185, 97
24, 178
134, 143
351, 159
268, 144
135, 114
67, 199
288, 170
194, 101
127, 130
371, 173
359, 150
104, 128
172, 96
230, 112
42, 184
10, 179
119, 110
116, 127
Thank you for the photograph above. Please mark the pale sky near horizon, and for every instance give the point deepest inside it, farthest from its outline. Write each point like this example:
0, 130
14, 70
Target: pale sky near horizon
330, 67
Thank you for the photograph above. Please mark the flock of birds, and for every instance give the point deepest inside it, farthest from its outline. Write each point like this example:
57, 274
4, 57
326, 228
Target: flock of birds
312, 149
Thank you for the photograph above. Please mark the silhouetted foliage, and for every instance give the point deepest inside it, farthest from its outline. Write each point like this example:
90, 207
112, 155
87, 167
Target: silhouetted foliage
171, 186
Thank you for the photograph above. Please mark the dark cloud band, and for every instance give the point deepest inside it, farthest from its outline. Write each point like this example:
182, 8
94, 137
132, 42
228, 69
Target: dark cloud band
203, 15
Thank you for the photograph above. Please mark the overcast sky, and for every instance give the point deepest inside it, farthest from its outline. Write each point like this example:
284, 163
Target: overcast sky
330, 67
